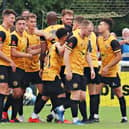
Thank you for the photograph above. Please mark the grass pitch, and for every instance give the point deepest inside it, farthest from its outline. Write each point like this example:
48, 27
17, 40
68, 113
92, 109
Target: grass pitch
109, 119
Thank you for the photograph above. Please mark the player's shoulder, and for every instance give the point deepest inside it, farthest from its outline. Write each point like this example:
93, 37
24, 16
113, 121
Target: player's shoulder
56, 26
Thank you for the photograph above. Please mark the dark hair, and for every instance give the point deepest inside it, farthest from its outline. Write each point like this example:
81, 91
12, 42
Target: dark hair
61, 33
108, 21
79, 19
7, 12
31, 15
19, 18
67, 11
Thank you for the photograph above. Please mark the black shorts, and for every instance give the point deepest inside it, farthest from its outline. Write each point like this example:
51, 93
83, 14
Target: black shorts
78, 82
32, 78
16, 79
53, 88
5, 72
87, 74
113, 82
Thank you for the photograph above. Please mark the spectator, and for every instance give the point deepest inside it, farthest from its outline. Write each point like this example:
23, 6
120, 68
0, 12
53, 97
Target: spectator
124, 42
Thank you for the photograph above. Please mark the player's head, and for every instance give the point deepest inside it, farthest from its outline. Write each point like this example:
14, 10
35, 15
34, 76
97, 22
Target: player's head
77, 21
20, 24
62, 34
8, 16
105, 25
67, 17
25, 13
125, 33
31, 21
86, 27
51, 18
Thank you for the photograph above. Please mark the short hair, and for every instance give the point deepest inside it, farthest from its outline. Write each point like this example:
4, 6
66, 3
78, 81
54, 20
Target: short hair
19, 18
125, 30
61, 33
67, 11
79, 19
86, 22
31, 15
108, 21
25, 10
7, 12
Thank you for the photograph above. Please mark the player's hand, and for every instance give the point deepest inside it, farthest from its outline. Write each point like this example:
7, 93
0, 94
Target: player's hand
69, 76
40, 73
28, 49
29, 55
13, 66
92, 74
105, 70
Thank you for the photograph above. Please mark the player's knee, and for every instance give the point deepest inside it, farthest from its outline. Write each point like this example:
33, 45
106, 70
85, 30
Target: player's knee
4, 89
75, 95
45, 98
61, 95
18, 92
83, 95
118, 92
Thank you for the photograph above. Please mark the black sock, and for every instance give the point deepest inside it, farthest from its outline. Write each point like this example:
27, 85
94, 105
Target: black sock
39, 96
21, 106
74, 108
67, 103
8, 103
63, 101
39, 105
82, 108
1, 104
97, 103
92, 104
68, 95
15, 108
122, 103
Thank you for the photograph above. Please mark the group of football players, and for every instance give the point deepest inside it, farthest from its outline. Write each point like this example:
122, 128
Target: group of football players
61, 60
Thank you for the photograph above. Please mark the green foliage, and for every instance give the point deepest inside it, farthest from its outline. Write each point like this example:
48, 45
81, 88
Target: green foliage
41, 7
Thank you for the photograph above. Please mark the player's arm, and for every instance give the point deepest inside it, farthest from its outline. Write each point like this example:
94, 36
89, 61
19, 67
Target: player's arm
71, 44
43, 51
117, 51
60, 49
14, 51
2, 55
42, 33
89, 59
34, 51
35, 46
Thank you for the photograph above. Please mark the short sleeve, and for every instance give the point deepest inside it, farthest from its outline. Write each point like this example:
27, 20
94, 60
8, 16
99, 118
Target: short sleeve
14, 40
115, 46
2, 37
71, 43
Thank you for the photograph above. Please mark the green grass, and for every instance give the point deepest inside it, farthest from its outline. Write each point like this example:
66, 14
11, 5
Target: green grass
110, 119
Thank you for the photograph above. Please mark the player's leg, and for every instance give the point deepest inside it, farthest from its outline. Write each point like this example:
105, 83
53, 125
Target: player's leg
82, 104
75, 89
16, 82
118, 91
39, 104
4, 89
6, 107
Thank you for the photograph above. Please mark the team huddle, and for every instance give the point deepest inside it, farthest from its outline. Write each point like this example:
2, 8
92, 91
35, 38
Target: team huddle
61, 60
